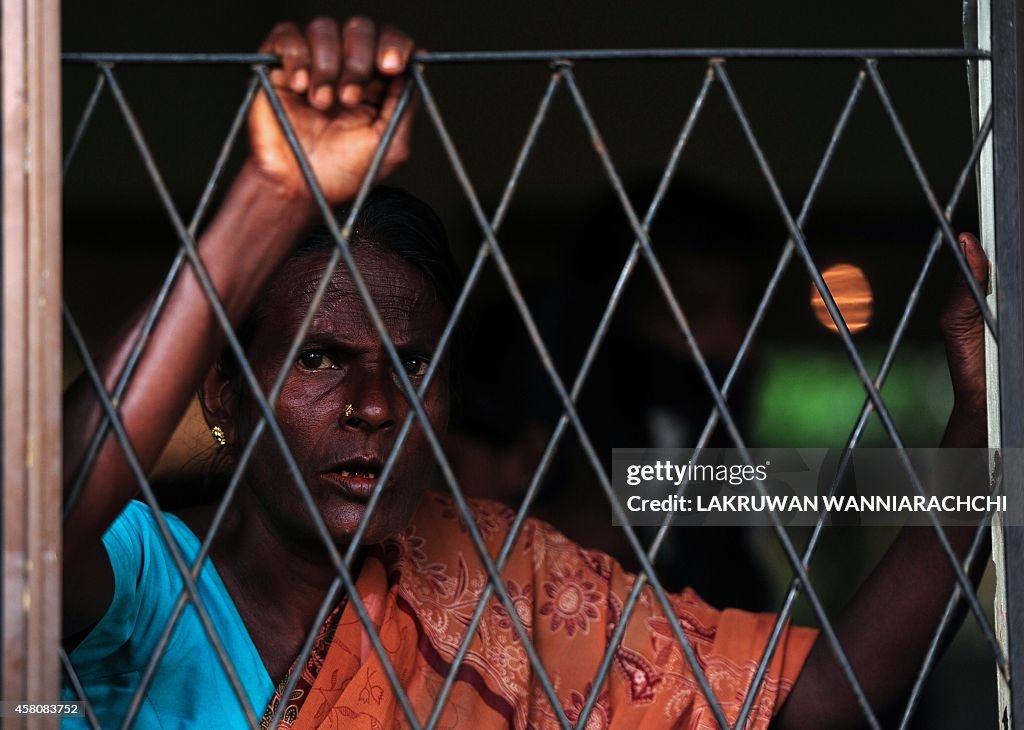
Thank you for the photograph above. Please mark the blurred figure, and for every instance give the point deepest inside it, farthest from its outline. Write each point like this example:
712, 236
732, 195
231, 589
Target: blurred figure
507, 407
502, 405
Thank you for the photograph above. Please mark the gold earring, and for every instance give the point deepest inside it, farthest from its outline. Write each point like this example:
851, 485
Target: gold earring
218, 435
349, 410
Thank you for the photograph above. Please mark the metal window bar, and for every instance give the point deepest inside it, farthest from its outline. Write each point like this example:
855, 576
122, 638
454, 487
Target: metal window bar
720, 405
189, 247
744, 349
559, 429
873, 393
30, 334
1007, 96
415, 402
858, 431
490, 247
457, 310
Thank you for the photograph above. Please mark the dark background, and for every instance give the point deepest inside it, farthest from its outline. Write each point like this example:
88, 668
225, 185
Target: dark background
564, 236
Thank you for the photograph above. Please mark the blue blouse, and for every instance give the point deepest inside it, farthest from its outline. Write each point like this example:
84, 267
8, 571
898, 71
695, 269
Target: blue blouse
190, 688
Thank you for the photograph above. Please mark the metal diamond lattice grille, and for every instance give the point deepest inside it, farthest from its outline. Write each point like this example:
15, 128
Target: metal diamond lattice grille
867, 78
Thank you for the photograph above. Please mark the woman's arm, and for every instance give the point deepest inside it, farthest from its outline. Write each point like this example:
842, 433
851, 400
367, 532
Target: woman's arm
340, 87
888, 627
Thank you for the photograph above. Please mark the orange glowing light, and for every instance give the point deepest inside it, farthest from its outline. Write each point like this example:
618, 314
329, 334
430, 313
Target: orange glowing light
852, 292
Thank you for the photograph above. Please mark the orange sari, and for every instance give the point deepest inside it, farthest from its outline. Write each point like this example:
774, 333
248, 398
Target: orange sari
421, 588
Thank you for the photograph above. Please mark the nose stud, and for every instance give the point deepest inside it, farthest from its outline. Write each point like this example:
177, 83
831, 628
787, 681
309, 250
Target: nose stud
349, 410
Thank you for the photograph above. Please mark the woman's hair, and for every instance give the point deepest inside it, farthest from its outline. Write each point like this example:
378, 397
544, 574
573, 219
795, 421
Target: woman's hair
393, 220
401, 223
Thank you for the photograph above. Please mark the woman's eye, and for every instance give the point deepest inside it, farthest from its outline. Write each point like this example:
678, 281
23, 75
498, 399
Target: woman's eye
315, 360
416, 367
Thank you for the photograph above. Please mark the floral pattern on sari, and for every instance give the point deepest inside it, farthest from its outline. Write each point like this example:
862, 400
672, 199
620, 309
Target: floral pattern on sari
421, 590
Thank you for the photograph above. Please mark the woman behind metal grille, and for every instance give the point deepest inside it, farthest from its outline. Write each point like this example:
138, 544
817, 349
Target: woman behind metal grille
340, 410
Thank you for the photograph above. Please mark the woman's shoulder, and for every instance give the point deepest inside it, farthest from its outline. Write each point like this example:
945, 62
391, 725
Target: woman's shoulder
134, 541
132, 527
136, 512
440, 512
139, 516
540, 553
439, 527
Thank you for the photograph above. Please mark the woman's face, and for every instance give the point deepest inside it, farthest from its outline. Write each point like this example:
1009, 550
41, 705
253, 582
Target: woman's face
342, 405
